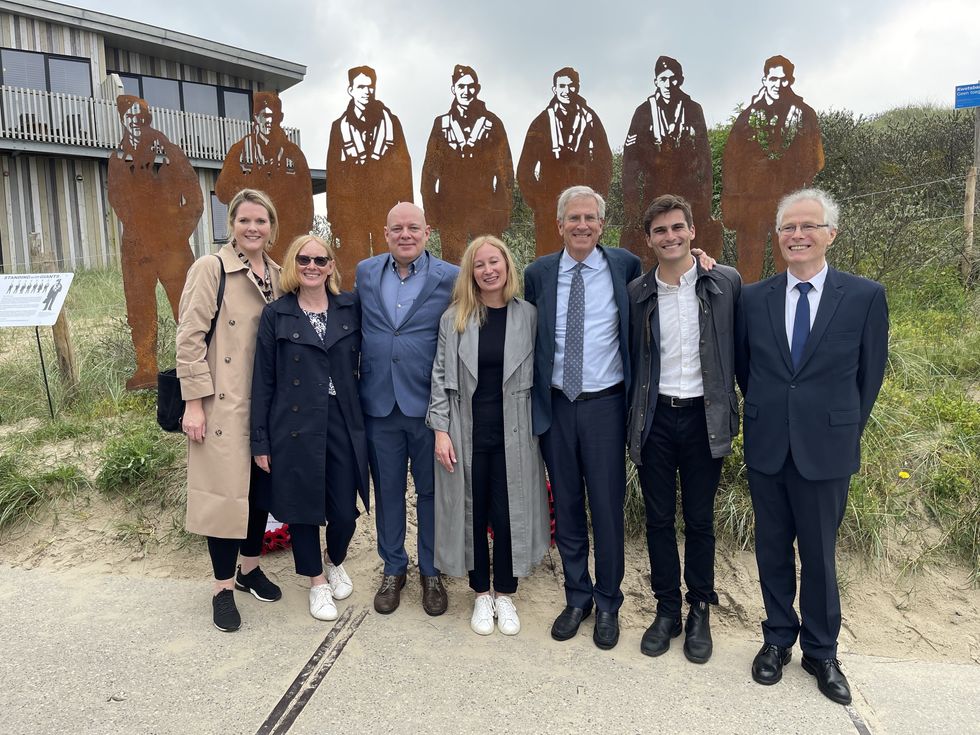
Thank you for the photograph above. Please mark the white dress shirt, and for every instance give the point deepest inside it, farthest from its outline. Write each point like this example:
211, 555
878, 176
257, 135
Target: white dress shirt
680, 337
602, 365
793, 298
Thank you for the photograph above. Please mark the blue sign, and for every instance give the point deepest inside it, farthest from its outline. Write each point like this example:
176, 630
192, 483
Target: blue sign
968, 95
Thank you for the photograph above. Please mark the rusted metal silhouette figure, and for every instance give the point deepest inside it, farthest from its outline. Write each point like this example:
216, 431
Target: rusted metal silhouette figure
667, 150
157, 197
368, 171
774, 148
565, 145
267, 160
468, 175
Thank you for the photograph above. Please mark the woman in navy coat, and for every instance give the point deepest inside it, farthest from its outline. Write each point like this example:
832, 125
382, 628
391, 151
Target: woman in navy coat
307, 425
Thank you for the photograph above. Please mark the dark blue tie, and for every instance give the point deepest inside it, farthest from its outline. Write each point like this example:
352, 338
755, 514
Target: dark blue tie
801, 325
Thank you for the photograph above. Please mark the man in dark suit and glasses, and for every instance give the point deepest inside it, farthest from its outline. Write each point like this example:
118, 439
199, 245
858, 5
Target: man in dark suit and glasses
810, 351
581, 375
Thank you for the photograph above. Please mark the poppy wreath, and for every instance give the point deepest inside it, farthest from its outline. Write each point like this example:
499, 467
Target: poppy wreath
279, 538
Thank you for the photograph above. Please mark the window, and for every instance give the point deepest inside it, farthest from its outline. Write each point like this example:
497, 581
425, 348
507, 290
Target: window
238, 105
70, 76
219, 219
204, 99
23, 69
46, 72
161, 93
200, 98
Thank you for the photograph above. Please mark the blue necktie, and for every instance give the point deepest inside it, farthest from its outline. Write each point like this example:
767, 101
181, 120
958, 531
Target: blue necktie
801, 325
571, 382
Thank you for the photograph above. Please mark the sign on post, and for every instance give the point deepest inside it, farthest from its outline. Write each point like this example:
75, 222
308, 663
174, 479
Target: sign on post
32, 299
967, 95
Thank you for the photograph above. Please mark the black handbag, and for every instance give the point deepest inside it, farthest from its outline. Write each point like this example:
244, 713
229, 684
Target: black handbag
170, 403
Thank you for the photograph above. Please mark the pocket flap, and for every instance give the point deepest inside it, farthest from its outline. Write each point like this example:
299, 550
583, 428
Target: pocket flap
843, 418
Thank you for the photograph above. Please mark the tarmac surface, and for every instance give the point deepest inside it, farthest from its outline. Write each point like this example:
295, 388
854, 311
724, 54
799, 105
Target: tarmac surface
114, 654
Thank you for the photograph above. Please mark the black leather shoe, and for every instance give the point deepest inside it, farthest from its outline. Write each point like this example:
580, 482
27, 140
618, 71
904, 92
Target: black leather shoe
566, 624
606, 632
830, 679
656, 639
434, 598
767, 666
697, 641
389, 594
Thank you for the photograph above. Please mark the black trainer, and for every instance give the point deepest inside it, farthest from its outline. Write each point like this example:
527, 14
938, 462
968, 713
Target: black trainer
226, 617
261, 587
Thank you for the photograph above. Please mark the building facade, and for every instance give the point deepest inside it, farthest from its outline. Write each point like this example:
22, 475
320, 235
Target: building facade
62, 69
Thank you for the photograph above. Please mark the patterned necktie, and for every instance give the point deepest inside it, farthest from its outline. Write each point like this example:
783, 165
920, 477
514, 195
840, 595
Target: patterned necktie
574, 335
801, 325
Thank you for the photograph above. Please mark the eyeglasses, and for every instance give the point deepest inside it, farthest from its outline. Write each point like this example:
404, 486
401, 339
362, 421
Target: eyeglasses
320, 260
806, 229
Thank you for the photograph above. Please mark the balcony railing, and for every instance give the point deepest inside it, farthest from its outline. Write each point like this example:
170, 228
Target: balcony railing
32, 115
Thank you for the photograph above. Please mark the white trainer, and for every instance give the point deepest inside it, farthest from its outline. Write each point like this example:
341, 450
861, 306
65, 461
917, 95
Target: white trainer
340, 584
507, 621
482, 620
321, 603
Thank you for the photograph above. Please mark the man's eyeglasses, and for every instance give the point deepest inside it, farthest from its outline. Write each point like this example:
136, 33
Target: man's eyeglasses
806, 229
320, 260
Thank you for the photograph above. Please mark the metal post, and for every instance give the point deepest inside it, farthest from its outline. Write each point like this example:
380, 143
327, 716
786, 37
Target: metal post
44, 371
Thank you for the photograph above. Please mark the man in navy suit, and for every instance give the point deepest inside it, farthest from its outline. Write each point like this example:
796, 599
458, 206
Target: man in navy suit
810, 351
581, 377
403, 294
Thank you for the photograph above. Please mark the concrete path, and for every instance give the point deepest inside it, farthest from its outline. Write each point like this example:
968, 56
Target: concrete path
111, 654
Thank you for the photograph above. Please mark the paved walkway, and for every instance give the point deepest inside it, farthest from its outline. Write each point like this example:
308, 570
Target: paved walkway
112, 654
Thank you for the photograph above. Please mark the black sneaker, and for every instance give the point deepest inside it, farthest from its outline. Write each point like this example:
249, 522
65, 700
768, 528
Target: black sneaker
226, 617
258, 584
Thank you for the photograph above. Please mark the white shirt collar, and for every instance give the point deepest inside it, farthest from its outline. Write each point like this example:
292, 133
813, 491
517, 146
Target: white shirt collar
688, 277
817, 281
567, 262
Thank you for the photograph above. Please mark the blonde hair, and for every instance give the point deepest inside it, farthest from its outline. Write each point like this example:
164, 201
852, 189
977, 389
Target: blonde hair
466, 294
289, 280
254, 196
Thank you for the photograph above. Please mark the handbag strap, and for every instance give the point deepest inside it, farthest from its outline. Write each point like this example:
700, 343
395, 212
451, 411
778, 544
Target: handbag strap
221, 295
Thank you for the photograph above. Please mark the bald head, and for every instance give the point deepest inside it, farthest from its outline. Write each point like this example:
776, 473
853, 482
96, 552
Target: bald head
406, 233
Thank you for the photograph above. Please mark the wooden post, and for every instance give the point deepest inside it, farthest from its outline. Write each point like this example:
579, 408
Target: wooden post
966, 265
63, 348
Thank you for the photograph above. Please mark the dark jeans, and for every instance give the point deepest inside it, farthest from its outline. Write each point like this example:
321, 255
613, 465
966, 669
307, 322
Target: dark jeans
224, 551
678, 441
490, 503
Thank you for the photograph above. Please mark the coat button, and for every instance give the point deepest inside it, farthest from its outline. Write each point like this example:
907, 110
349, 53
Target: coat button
294, 434
218, 432
295, 358
295, 408
221, 396
346, 327
227, 359
712, 436
792, 385
394, 359
295, 335
397, 333
707, 403
231, 322
295, 381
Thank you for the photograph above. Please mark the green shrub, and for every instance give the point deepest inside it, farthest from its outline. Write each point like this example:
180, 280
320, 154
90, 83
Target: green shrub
140, 464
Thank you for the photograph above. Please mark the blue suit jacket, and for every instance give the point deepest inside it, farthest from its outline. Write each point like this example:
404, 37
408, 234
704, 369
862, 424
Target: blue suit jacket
818, 411
541, 289
396, 364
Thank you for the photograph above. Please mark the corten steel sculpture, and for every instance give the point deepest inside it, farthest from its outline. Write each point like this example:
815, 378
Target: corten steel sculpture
774, 148
667, 152
267, 160
565, 145
368, 171
468, 175
157, 197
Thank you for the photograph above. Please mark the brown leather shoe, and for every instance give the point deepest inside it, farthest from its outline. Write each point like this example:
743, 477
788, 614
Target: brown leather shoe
389, 594
434, 600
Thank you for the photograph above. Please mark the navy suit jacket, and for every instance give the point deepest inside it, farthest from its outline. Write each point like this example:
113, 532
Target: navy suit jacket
396, 363
541, 289
819, 410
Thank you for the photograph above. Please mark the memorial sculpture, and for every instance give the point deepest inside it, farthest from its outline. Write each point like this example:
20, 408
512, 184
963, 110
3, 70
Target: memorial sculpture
157, 197
565, 146
667, 150
267, 160
468, 176
774, 148
369, 171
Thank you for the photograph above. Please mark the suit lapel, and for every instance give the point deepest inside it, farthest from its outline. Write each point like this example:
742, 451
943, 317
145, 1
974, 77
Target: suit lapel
432, 279
469, 348
833, 292
776, 301
516, 335
375, 278
301, 323
336, 319
548, 299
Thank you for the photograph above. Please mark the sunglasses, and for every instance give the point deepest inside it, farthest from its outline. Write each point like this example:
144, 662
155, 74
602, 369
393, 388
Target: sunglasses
320, 260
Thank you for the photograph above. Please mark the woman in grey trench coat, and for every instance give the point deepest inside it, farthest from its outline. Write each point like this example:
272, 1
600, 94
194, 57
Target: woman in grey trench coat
489, 467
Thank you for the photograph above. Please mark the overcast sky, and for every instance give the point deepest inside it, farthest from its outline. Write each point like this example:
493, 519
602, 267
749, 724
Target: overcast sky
867, 57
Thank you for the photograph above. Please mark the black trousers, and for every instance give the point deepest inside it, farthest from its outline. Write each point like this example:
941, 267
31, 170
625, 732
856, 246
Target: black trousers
341, 503
224, 551
678, 442
787, 507
585, 448
490, 504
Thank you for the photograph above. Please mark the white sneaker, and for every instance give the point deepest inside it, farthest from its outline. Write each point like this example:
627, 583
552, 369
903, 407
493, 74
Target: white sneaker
321, 603
482, 620
507, 621
340, 584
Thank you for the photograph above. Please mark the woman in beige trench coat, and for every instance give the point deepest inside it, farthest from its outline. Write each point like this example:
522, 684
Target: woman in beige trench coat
489, 467
226, 493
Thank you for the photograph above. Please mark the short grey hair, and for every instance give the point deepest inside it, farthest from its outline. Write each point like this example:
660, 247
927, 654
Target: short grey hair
574, 192
831, 210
